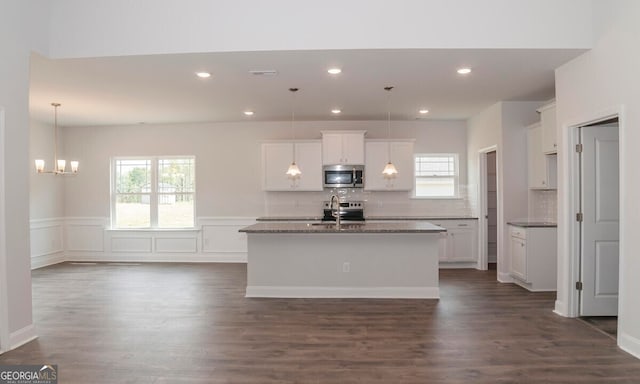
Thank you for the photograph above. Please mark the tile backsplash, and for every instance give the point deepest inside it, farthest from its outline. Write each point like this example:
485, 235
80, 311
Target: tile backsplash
543, 205
376, 203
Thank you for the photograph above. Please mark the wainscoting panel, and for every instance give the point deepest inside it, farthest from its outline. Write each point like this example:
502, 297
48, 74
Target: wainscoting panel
221, 236
46, 242
88, 238
215, 239
131, 244
176, 244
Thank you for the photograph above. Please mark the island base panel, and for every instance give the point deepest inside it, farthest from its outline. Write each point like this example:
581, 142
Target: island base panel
386, 265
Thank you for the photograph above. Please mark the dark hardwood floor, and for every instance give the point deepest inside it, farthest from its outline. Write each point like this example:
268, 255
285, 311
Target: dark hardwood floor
189, 323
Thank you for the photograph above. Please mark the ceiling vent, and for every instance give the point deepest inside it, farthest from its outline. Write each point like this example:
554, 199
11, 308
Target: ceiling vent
265, 72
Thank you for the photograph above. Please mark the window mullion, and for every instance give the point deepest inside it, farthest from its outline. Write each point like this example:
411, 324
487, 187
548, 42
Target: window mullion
114, 194
154, 192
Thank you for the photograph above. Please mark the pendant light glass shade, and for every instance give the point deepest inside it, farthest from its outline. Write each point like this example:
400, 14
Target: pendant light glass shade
59, 165
39, 165
293, 171
389, 170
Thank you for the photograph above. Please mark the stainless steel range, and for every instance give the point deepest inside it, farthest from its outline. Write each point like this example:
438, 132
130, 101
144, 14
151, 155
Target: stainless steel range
349, 211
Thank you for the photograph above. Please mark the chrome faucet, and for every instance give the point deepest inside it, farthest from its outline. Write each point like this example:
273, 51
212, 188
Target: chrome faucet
335, 213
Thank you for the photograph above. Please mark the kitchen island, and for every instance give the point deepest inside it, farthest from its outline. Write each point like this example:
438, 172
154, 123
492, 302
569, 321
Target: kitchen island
363, 260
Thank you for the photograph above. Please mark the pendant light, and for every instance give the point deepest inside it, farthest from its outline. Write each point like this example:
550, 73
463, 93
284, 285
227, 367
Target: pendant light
293, 171
58, 164
390, 170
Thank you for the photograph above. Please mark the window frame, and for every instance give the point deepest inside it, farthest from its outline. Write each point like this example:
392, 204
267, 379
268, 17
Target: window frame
153, 194
456, 176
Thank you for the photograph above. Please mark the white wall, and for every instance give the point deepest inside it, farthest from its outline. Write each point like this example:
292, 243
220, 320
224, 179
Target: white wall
604, 79
23, 28
83, 28
235, 191
484, 130
46, 197
515, 117
503, 125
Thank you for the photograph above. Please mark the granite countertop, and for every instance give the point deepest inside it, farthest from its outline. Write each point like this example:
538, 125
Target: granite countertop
408, 227
380, 218
419, 218
533, 224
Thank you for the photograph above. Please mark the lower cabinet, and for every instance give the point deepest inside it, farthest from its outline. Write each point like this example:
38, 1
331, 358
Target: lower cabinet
458, 246
532, 257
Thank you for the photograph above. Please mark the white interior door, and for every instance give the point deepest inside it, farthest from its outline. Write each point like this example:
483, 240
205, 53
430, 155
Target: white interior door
600, 226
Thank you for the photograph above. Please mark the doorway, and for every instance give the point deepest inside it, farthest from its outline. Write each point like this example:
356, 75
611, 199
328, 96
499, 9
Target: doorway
488, 208
598, 219
491, 217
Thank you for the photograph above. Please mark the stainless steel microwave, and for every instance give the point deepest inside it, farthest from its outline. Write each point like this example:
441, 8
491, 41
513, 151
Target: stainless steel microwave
343, 176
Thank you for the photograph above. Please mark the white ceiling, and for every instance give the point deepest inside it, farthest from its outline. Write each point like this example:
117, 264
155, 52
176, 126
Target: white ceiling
164, 89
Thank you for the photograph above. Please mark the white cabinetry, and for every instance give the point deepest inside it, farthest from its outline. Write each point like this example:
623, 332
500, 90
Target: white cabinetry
276, 158
343, 147
458, 246
532, 256
542, 168
377, 156
517, 247
549, 128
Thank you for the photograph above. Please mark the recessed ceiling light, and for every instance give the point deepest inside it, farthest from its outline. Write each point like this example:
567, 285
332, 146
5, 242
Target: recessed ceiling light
464, 71
248, 113
334, 71
203, 75
336, 111
423, 111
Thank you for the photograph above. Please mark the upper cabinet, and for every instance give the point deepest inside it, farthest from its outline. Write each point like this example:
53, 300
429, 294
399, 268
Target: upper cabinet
343, 147
377, 156
276, 158
542, 168
549, 128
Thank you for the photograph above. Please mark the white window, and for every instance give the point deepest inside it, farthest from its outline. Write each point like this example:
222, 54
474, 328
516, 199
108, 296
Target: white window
153, 192
436, 175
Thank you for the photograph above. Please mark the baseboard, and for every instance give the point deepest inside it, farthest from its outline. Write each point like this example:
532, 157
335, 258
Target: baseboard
505, 277
22, 336
236, 257
529, 287
345, 292
46, 260
559, 309
629, 344
458, 265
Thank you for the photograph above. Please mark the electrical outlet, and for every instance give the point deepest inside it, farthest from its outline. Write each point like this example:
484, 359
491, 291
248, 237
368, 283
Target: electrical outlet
346, 266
